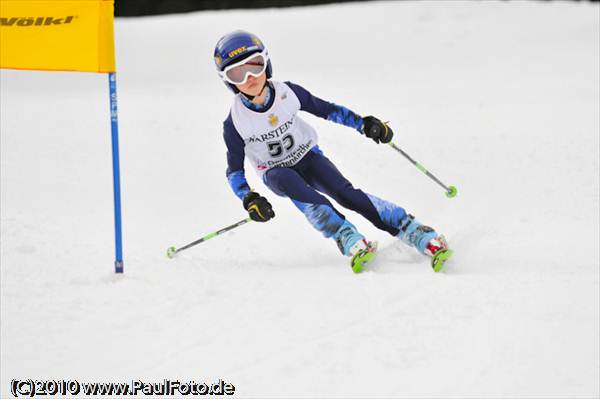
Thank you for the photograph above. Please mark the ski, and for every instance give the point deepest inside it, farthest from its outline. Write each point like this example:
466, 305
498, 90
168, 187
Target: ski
364, 257
438, 260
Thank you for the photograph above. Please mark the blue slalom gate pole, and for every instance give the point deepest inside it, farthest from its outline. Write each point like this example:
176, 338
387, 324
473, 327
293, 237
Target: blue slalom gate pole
114, 127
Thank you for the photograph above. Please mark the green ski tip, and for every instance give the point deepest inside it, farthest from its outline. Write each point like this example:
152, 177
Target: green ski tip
451, 193
361, 259
437, 263
171, 252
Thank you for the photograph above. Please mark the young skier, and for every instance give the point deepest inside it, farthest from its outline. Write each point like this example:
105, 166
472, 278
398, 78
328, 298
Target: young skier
264, 126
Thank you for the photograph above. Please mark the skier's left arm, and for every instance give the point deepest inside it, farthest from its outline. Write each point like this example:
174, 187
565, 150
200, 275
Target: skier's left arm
369, 125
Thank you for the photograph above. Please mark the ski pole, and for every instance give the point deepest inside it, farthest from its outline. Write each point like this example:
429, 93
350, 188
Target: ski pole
171, 251
450, 190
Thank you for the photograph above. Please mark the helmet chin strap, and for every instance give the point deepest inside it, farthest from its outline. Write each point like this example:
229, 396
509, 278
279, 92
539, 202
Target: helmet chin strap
249, 97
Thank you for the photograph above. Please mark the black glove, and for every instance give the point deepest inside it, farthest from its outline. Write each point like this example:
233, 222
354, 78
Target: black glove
375, 129
259, 209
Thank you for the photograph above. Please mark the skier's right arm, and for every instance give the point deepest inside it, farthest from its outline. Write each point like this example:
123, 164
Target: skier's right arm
258, 208
235, 159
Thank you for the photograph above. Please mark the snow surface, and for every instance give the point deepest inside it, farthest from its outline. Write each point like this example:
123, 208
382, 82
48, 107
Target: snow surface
500, 99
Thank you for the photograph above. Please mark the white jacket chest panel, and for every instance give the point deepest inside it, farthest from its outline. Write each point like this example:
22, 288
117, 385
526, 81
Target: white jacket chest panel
277, 137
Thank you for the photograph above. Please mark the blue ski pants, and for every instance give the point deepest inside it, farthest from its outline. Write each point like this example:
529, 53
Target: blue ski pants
315, 175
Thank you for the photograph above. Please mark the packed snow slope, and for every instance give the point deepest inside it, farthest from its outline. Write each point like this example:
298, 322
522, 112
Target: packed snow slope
500, 99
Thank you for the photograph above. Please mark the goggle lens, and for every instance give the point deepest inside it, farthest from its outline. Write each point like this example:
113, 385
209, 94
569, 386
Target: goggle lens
254, 65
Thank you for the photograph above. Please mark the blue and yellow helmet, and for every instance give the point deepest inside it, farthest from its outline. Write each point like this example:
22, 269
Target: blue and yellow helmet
236, 46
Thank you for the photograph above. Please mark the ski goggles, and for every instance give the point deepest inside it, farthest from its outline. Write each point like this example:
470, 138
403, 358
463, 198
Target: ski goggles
238, 73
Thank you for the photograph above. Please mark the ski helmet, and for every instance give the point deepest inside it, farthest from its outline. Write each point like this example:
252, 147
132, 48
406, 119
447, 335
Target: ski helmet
236, 46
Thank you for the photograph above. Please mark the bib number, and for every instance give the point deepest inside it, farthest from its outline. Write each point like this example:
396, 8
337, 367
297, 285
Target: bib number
276, 147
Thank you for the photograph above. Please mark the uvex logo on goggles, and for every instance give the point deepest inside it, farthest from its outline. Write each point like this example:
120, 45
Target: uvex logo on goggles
36, 21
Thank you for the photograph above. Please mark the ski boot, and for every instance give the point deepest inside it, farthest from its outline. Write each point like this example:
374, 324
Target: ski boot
438, 249
352, 243
425, 240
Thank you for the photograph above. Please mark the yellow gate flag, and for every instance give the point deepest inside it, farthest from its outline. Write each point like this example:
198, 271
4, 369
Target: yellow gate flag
57, 35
